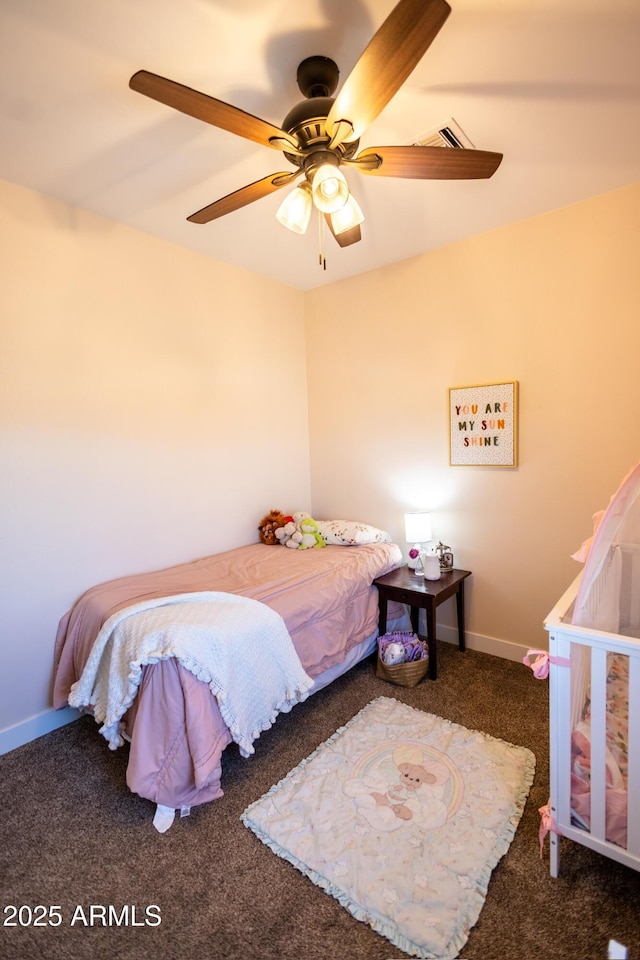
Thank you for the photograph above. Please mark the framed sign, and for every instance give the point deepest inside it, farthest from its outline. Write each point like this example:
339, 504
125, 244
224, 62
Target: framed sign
483, 425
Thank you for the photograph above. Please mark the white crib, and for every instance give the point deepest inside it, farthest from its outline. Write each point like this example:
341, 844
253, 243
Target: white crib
583, 671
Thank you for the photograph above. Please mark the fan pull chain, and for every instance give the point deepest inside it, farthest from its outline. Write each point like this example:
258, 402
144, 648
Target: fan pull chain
322, 260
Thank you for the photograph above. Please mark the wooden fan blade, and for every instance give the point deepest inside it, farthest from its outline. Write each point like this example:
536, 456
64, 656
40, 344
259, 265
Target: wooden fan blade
216, 112
347, 237
393, 52
240, 198
428, 163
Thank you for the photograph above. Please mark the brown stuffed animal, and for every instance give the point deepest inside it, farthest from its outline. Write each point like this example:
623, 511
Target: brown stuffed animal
268, 525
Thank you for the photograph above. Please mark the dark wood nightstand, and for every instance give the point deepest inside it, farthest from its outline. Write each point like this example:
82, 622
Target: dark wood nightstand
404, 586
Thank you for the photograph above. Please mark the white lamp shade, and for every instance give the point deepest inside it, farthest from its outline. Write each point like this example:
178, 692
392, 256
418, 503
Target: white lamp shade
348, 216
294, 212
417, 527
329, 187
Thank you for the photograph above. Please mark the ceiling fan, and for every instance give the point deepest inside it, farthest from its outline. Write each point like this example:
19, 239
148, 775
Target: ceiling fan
321, 134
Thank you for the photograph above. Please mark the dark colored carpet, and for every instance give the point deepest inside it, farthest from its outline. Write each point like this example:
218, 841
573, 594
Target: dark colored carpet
72, 835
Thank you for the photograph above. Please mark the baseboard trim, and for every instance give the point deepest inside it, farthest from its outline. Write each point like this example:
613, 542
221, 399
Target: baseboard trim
476, 641
37, 726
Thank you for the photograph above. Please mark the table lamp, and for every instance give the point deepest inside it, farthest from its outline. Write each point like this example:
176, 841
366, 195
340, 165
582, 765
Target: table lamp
417, 530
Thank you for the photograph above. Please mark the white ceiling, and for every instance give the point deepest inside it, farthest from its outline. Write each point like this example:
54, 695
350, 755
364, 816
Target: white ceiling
554, 85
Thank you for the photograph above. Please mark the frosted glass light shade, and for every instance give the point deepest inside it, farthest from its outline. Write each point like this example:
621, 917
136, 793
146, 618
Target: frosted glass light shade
417, 527
348, 216
294, 212
329, 187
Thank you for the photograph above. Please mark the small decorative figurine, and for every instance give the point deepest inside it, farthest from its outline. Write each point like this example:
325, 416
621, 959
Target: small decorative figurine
446, 557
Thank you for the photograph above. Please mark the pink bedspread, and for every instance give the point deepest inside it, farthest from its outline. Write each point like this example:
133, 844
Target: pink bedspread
177, 734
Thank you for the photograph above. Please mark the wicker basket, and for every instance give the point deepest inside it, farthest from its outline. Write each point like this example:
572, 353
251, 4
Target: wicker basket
402, 674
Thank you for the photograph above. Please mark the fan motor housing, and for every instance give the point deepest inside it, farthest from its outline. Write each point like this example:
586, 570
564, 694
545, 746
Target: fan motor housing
317, 79
307, 123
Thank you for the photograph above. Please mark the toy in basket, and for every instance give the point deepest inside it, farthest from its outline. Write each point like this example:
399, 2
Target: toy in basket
402, 658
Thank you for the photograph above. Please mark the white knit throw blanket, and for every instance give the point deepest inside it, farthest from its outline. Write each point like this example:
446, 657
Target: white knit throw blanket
240, 647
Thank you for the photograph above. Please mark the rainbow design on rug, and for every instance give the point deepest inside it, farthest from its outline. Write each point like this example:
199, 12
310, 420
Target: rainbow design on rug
401, 816
398, 781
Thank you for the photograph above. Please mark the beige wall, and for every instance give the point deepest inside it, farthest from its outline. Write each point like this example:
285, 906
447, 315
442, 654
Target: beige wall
142, 422
552, 302
142, 419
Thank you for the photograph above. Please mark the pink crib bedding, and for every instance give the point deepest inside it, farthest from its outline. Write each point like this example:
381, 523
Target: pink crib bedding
177, 734
617, 699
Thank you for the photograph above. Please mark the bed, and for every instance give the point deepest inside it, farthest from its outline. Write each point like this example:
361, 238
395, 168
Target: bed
594, 674
174, 724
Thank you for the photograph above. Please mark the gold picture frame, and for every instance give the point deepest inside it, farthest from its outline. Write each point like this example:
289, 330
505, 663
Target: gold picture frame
483, 425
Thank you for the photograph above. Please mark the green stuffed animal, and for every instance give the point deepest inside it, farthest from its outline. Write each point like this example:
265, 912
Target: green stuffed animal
307, 526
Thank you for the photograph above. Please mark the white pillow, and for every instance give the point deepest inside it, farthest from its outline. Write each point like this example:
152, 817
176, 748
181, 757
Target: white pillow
350, 533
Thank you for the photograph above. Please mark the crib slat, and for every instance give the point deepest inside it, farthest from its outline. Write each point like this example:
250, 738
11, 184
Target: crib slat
598, 742
560, 731
633, 778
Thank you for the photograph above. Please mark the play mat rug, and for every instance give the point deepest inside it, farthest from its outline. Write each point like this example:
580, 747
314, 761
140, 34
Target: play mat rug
401, 816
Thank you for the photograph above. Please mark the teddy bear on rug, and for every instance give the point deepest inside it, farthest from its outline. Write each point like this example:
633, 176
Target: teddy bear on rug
415, 792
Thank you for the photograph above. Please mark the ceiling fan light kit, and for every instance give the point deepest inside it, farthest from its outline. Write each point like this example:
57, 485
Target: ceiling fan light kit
294, 212
328, 186
321, 133
347, 217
